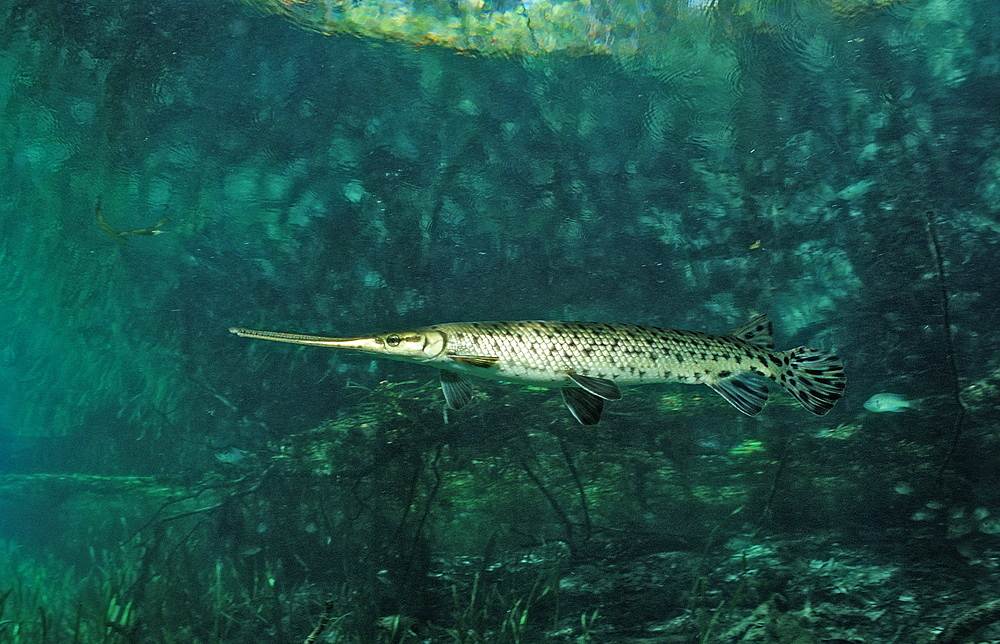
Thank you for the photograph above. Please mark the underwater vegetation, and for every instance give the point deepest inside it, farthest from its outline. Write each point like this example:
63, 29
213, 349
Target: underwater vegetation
387, 524
175, 169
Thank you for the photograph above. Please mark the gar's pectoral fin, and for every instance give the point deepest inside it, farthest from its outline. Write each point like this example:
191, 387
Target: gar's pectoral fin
457, 390
484, 362
585, 406
600, 387
744, 391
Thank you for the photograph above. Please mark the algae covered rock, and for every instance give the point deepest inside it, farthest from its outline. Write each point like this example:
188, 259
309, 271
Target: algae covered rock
503, 27
983, 396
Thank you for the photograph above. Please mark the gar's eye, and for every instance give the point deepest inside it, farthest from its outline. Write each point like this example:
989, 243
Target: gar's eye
392, 340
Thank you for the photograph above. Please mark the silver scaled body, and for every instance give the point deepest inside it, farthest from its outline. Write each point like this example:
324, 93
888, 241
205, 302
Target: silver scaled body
590, 360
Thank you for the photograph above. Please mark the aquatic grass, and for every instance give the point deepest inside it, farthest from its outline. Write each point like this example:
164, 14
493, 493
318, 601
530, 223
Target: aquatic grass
139, 589
706, 617
49, 601
384, 495
505, 617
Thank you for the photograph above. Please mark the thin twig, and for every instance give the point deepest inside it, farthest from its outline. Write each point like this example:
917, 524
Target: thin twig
949, 341
550, 497
256, 486
588, 526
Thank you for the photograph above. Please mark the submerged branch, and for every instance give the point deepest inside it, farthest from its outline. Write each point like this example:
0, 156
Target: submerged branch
324, 621
119, 235
968, 623
553, 502
588, 526
949, 340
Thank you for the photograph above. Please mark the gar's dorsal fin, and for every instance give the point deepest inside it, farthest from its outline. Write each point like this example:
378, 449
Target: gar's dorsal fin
757, 332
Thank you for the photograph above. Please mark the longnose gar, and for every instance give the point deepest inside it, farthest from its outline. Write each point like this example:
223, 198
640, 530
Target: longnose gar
589, 360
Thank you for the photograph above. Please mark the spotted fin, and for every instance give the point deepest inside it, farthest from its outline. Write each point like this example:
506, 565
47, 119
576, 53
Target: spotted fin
744, 391
757, 332
816, 378
457, 390
600, 387
484, 362
585, 406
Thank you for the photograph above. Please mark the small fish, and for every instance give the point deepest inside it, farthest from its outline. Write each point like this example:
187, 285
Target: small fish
232, 456
890, 402
589, 360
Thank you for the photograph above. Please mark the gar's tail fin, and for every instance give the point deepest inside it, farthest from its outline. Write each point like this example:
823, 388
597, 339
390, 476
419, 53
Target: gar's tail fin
815, 378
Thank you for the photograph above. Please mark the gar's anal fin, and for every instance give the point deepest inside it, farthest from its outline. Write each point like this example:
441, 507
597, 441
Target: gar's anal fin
744, 391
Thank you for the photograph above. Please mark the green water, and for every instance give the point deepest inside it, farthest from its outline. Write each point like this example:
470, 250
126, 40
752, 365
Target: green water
164, 481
